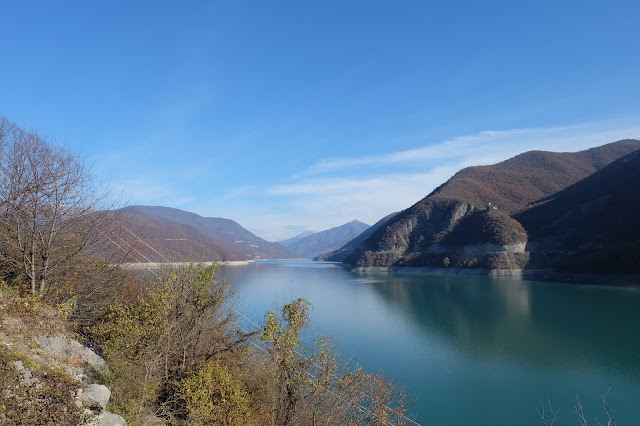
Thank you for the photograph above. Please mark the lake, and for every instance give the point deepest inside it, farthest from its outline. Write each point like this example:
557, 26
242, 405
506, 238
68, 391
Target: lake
472, 349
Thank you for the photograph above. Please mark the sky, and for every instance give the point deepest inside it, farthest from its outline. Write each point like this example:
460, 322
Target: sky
288, 116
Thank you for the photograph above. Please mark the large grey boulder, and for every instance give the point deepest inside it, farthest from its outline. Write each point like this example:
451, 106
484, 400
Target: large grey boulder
64, 347
107, 418
95, 397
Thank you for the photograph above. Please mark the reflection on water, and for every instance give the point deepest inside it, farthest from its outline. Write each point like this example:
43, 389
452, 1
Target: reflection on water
540, 323
474, 350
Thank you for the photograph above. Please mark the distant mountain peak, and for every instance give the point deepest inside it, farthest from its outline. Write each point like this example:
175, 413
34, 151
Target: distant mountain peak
312, 245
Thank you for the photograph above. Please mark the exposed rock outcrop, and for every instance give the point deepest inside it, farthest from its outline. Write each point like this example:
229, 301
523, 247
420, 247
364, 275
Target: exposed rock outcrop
26, 377
63, 347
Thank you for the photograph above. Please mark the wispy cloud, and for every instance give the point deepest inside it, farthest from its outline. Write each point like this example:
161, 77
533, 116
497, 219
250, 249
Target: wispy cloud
334, 191
337, 190
331, 202
491, 145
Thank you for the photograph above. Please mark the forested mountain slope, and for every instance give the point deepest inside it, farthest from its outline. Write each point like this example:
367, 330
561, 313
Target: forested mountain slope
593, 225
225, 231
472, 218
154, 239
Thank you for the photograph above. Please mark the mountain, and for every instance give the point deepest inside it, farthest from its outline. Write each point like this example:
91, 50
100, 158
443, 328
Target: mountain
472, 218
593, 225
154, 239
225, 231
313, 245
355, 244
295, 239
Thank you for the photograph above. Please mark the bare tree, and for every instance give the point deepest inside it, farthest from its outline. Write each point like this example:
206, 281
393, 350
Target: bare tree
606, 407
549, 418
49, 205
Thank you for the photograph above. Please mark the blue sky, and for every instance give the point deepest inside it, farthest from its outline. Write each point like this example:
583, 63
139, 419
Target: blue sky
295, 115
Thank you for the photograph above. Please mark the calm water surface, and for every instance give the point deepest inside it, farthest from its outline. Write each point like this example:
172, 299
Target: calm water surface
472, 350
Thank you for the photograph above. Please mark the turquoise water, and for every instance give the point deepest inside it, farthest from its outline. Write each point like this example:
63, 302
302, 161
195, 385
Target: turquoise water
472, 350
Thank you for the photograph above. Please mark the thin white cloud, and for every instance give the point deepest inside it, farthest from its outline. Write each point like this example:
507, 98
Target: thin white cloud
493, 144
335, 191
354, 185
333, 202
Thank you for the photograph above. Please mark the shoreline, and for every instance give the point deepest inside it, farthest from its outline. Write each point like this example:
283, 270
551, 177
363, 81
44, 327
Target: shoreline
158, 265
546, 275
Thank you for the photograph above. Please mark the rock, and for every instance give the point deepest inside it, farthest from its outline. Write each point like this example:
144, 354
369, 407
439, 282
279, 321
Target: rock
96, 397
26, 378
108, 418
82, 378
64, 347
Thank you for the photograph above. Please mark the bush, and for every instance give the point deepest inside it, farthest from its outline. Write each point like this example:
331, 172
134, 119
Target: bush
217, 394
180, 322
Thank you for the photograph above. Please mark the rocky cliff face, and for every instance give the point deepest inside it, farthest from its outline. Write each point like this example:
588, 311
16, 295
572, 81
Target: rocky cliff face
476, 219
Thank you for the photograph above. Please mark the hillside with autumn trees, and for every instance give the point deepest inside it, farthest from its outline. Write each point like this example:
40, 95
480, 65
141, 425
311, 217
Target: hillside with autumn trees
522, 213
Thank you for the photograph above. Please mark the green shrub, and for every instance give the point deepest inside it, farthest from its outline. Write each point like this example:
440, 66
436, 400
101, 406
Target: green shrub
216, 394
151, 345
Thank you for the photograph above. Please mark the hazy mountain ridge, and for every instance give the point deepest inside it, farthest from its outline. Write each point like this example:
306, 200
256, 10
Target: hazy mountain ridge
470, 218
312, 245
225, 231
295, 238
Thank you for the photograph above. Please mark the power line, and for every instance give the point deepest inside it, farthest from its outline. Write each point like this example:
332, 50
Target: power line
127, 251
144, 242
